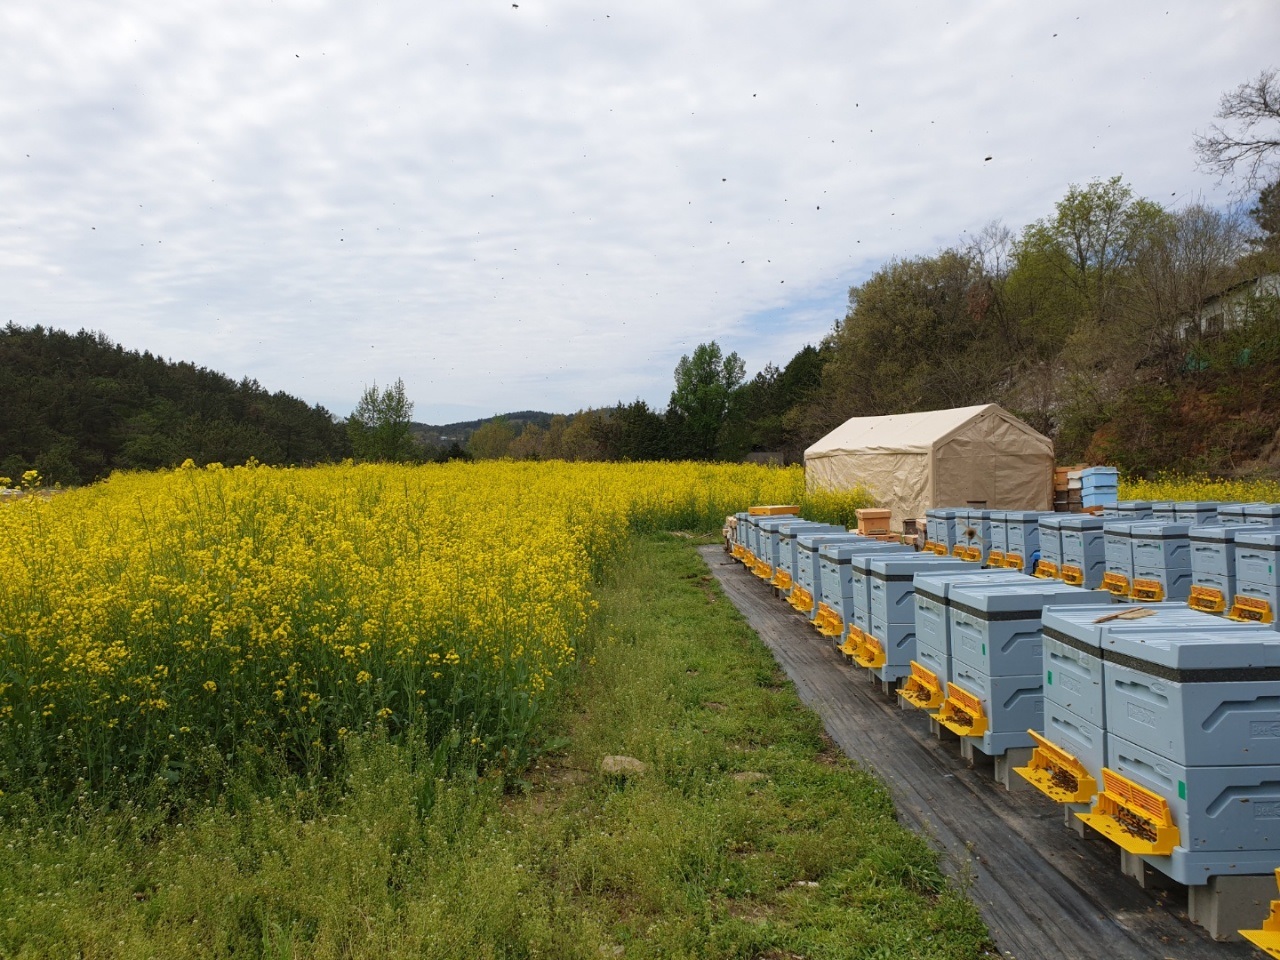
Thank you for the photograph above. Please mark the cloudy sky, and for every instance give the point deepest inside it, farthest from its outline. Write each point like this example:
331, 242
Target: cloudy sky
544, 205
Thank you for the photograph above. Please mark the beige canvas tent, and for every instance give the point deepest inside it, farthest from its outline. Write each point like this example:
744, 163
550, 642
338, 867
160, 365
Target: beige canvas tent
970, 456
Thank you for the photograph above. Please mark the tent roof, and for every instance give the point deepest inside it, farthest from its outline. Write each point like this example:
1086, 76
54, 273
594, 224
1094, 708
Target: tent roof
911, 432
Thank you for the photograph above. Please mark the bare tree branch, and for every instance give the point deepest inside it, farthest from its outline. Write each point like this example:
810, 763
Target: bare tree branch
1247, 145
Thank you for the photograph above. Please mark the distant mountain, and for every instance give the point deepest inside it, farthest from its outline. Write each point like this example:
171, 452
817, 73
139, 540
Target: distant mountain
460, 433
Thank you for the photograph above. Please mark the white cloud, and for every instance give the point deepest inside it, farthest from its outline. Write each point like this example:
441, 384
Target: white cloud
545, 205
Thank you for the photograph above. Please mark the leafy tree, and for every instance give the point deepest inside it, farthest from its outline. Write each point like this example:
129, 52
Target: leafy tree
379, 427
492, 440
639, 433
1087, 245
705, 384
1247, 143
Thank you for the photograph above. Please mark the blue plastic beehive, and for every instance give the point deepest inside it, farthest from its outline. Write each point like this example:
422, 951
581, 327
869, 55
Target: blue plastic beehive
809, 565
1118, 547
933, 624
1022, 532
999, 538
1161, 561
975, 534
789, 551
1199, 696
996, 628
1262, 514
1256, 556
1197, 513
1213, 566
1072, 733
891, 587
1051, 541
1232, 514
1218, 833
1164, 511
940, 528
1133, 510
1073, 638
1084, 551
1012, 705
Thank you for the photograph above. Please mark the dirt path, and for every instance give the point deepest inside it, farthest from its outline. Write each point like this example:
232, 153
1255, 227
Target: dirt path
1044, 892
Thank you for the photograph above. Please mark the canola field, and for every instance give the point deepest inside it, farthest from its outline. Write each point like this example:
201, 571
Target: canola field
157, 625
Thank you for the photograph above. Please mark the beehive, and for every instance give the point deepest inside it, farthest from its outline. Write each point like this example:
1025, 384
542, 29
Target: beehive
891, 584
1073, 638
1213, 567
1050, 565
1161, 561
835, 610
1196, 513
1133, 510
1098, 486
1257, 595
807, 591
1117, 579
769, 543
1084, 552
931, 668
1071, 750
789, 550
996, 712
739, 550
1164, 511
940, 531
775, 510
1190, 823
1196, 695
998, 547
1022, 534
872, 522
973, 540
1262, 514
996, 626
1232, 514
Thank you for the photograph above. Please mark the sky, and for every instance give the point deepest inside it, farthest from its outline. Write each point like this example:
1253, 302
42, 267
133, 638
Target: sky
543, 205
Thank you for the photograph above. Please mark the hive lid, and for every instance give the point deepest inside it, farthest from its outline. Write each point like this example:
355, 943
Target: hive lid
904, 568
1238, 509
1214, 534
1078, 625
773, 523
1198, 506
1133, 505
1241, 646
1081, 521
1159, 530
811, 541
1269, 510
1119, 528
1025, 516
1025, 599
843, 552
938, 584
1053, 521
797, 527
1262, 539
941, 514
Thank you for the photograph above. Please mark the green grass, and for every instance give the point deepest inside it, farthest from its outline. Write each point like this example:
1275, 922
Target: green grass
748, 836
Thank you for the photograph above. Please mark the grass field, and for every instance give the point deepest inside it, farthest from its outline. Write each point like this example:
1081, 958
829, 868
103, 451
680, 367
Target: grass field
748, 836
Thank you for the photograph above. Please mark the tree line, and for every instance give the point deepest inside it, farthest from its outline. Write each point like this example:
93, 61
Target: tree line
77, 406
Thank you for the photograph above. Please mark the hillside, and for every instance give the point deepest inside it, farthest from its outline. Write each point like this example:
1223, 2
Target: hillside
77, 406
445, 434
